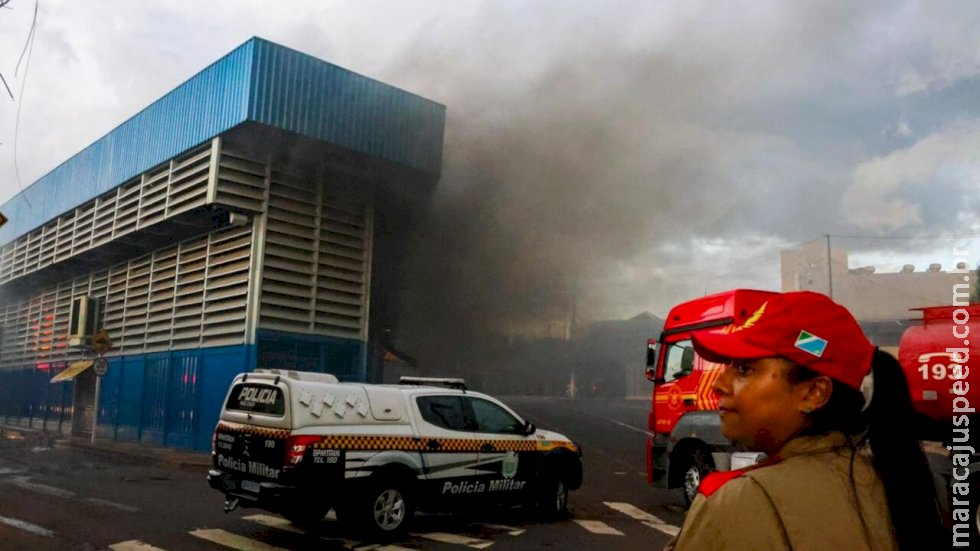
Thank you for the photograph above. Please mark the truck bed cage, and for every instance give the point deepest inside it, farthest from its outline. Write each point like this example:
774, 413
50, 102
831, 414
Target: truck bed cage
449, 382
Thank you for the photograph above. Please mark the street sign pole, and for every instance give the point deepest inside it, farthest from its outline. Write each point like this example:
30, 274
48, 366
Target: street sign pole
95, 409
99, 366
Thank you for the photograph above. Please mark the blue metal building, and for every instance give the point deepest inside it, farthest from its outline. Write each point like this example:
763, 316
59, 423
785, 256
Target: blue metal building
252, 217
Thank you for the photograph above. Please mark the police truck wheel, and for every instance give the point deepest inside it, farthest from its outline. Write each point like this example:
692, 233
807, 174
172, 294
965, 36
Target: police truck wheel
697, 467
384, 511
551, 501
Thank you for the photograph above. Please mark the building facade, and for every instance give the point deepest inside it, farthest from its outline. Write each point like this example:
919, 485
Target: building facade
882, 302
252, 217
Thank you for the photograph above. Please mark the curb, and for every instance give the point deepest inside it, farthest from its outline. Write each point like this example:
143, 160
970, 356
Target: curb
129, 452
138, 454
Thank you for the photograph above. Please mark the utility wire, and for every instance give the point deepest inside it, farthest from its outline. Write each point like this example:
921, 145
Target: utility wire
908, 237
28, 42
3, 4
6, 86
29, 49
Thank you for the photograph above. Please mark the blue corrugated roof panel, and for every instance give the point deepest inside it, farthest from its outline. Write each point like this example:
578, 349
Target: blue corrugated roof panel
258, 81
303, 94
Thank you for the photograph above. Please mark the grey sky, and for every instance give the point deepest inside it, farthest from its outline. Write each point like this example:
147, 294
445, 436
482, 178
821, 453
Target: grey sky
633, 153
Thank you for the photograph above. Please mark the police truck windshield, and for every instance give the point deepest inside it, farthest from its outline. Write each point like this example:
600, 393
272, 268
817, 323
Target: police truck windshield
257, 398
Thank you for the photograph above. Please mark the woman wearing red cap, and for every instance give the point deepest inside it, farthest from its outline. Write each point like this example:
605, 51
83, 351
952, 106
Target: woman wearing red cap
802, 384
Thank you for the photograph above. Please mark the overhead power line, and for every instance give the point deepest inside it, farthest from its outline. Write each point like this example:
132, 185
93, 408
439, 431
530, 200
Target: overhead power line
28, 48
908, 237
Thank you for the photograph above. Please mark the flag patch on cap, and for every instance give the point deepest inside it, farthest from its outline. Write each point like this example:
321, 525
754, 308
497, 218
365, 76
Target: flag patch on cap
811, 344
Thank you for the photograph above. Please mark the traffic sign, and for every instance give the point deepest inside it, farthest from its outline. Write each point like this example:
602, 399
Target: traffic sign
101, 343
100, 366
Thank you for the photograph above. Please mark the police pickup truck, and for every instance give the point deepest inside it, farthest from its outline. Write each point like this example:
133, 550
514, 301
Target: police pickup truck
301, 443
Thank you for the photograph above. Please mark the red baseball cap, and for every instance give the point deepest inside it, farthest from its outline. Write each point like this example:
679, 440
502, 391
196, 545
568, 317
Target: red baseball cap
803, 327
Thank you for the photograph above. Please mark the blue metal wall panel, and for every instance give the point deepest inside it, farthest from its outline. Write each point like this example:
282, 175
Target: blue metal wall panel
37, 391
171, 399
156, 373
209, 103
182, 398
341, 357
131, 371
218, 367
110, 400
306, 95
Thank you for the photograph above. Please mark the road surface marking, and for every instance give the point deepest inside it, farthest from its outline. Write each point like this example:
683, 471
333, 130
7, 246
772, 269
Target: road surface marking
646, 518
233, 540
598, 527
25, 483
444, 537
274, 522
107, 503
625, 426
502, 528
133, 545
26, 526
280, 523
358, 546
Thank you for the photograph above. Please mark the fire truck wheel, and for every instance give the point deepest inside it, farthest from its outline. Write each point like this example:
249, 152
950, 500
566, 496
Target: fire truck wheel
698, 465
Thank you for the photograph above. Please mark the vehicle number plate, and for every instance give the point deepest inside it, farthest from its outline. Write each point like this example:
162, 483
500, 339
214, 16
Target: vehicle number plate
250, 486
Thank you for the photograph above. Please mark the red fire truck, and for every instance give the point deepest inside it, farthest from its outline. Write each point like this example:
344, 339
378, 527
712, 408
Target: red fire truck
684, 418
687, 441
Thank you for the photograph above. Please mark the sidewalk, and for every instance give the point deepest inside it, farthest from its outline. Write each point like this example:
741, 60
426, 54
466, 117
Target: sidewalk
132, 452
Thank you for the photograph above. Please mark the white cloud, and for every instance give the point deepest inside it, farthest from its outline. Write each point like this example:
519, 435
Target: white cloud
877, 198
902, 128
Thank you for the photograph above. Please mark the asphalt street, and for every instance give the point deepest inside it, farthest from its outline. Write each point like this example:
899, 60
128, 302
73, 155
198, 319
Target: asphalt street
58, 497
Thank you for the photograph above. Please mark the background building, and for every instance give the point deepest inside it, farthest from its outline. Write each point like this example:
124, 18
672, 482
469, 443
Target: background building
882, 302
251, 217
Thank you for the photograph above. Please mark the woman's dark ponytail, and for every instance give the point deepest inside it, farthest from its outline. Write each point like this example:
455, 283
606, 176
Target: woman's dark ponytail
892, 428
898, 457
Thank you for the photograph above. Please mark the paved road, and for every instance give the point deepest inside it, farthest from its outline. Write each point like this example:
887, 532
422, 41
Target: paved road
66, 499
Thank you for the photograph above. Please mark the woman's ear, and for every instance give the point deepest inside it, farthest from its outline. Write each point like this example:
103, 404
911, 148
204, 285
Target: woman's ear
817, 393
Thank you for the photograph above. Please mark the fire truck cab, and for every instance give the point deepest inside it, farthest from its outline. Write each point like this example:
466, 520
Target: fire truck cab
687, 441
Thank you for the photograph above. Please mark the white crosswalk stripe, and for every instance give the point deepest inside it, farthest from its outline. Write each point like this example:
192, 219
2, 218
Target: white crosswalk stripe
243, 543
644, 517
274, 522
502, 528
280, 523
443, 537
234, 541
598, 527
27, 527
133, 545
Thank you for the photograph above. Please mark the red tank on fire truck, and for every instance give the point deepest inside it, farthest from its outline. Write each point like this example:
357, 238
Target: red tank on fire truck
687, 442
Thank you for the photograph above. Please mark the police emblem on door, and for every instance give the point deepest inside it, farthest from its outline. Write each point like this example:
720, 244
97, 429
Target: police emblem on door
509, 468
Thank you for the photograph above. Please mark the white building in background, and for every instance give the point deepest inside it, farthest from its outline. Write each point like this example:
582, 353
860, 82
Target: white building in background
871, 297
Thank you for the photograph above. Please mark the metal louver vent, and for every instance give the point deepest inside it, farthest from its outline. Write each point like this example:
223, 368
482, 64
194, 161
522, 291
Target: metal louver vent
317, 252
187, 296
176, 187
